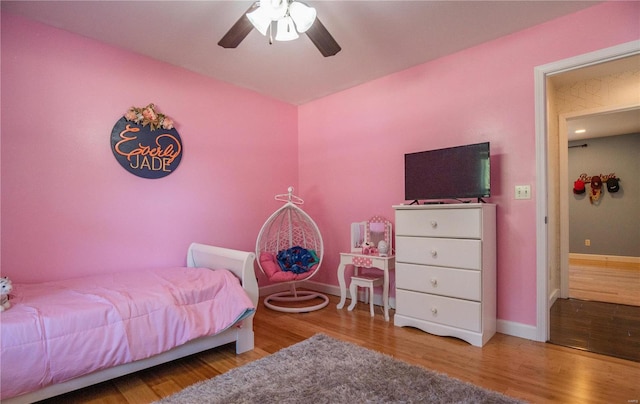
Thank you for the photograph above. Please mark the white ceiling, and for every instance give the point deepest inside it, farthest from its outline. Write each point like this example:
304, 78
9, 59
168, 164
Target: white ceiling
613, 123
377, 37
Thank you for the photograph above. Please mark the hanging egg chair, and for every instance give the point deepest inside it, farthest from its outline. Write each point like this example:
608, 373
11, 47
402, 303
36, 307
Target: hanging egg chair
289, 250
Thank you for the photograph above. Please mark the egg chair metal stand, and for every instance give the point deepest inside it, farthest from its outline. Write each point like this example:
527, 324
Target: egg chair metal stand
290, 250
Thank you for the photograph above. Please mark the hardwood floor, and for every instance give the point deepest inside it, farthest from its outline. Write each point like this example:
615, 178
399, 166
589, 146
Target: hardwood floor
602, 314
533, 371
605, 281
605, 328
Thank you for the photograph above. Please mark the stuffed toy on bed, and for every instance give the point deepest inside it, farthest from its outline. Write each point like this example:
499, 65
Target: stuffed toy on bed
5, 288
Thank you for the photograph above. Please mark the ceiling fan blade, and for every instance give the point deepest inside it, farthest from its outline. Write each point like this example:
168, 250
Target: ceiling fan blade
322, 39
238, 31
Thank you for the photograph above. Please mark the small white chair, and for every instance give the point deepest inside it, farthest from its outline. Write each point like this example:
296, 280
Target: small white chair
363, 281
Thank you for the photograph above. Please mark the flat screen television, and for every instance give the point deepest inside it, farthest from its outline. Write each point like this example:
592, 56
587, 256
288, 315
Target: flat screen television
453, 173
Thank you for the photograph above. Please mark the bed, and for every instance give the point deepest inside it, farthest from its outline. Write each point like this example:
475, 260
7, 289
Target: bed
65, 335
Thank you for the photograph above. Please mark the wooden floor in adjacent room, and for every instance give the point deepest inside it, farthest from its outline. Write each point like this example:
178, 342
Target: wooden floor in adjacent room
533, 371
605, 328
602, 313
608, 281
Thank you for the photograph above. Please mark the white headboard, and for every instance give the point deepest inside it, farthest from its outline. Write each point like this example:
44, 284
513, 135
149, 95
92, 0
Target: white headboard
241, 263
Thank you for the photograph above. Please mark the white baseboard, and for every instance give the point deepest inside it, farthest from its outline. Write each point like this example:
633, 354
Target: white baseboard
516, 329
315, 286
335, 291
323, 288
555, 294
275, 288
503, 326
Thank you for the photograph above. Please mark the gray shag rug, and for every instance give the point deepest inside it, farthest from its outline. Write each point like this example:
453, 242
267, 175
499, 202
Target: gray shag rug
325, 370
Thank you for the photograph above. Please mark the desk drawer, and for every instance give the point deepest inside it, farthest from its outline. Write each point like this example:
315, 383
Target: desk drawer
455, 223
437, 309
457, 253
459, 283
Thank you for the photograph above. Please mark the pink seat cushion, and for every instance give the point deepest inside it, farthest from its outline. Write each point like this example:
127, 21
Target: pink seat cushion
276, 274
307, 274
283, 276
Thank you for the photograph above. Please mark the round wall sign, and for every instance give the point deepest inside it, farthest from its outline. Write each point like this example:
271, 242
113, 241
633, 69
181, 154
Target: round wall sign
148, 148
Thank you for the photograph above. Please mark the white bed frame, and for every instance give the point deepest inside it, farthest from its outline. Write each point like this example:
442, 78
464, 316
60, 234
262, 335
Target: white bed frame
198, 255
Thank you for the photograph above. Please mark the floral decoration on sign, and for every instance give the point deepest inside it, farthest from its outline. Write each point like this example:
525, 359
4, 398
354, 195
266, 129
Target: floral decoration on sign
141, 149
149, 116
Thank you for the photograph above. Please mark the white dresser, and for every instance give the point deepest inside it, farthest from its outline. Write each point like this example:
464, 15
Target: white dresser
446, 269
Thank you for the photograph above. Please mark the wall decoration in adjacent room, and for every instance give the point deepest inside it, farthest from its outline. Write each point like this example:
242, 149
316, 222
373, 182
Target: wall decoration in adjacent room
596, 184
145, 143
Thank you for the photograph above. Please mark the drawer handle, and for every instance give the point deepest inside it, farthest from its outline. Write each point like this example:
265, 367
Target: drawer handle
434, 282
434, 224
434, 253
434, 311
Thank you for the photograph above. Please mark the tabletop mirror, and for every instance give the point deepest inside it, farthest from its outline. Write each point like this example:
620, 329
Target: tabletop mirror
378, 229
371, 233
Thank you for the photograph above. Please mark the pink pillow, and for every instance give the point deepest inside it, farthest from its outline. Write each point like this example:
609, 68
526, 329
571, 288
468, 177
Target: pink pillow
269, 264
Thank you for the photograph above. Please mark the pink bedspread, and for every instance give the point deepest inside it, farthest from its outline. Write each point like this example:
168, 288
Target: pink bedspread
56, 331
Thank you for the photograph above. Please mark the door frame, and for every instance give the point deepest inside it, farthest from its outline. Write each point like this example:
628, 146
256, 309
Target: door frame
565, 184
544, 251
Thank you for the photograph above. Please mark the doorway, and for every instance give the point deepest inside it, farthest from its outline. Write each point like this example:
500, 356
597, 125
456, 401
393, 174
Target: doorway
599, 141
599, 305
548, 210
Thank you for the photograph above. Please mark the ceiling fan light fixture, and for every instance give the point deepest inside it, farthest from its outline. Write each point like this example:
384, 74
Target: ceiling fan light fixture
286, 30
290, 16
303, 16
276, 9
260, 19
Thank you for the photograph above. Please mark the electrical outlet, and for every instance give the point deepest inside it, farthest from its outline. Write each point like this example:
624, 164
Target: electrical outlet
523, 191
587, 242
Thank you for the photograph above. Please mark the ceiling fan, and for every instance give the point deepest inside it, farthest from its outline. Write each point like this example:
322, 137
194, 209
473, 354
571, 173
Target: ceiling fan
289, 17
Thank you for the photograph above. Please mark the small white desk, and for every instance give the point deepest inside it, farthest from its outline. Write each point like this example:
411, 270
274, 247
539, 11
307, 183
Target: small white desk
366, 261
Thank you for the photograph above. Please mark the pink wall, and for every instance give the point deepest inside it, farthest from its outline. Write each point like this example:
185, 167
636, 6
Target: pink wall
352, 144
68, 207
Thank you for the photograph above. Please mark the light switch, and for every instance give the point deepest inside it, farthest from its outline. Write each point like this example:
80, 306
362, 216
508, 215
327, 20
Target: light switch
523, 191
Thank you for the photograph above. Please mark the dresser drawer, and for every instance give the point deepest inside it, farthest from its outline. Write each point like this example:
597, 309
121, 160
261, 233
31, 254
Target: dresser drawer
460, 283
456, 223
458, 253
438, 309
